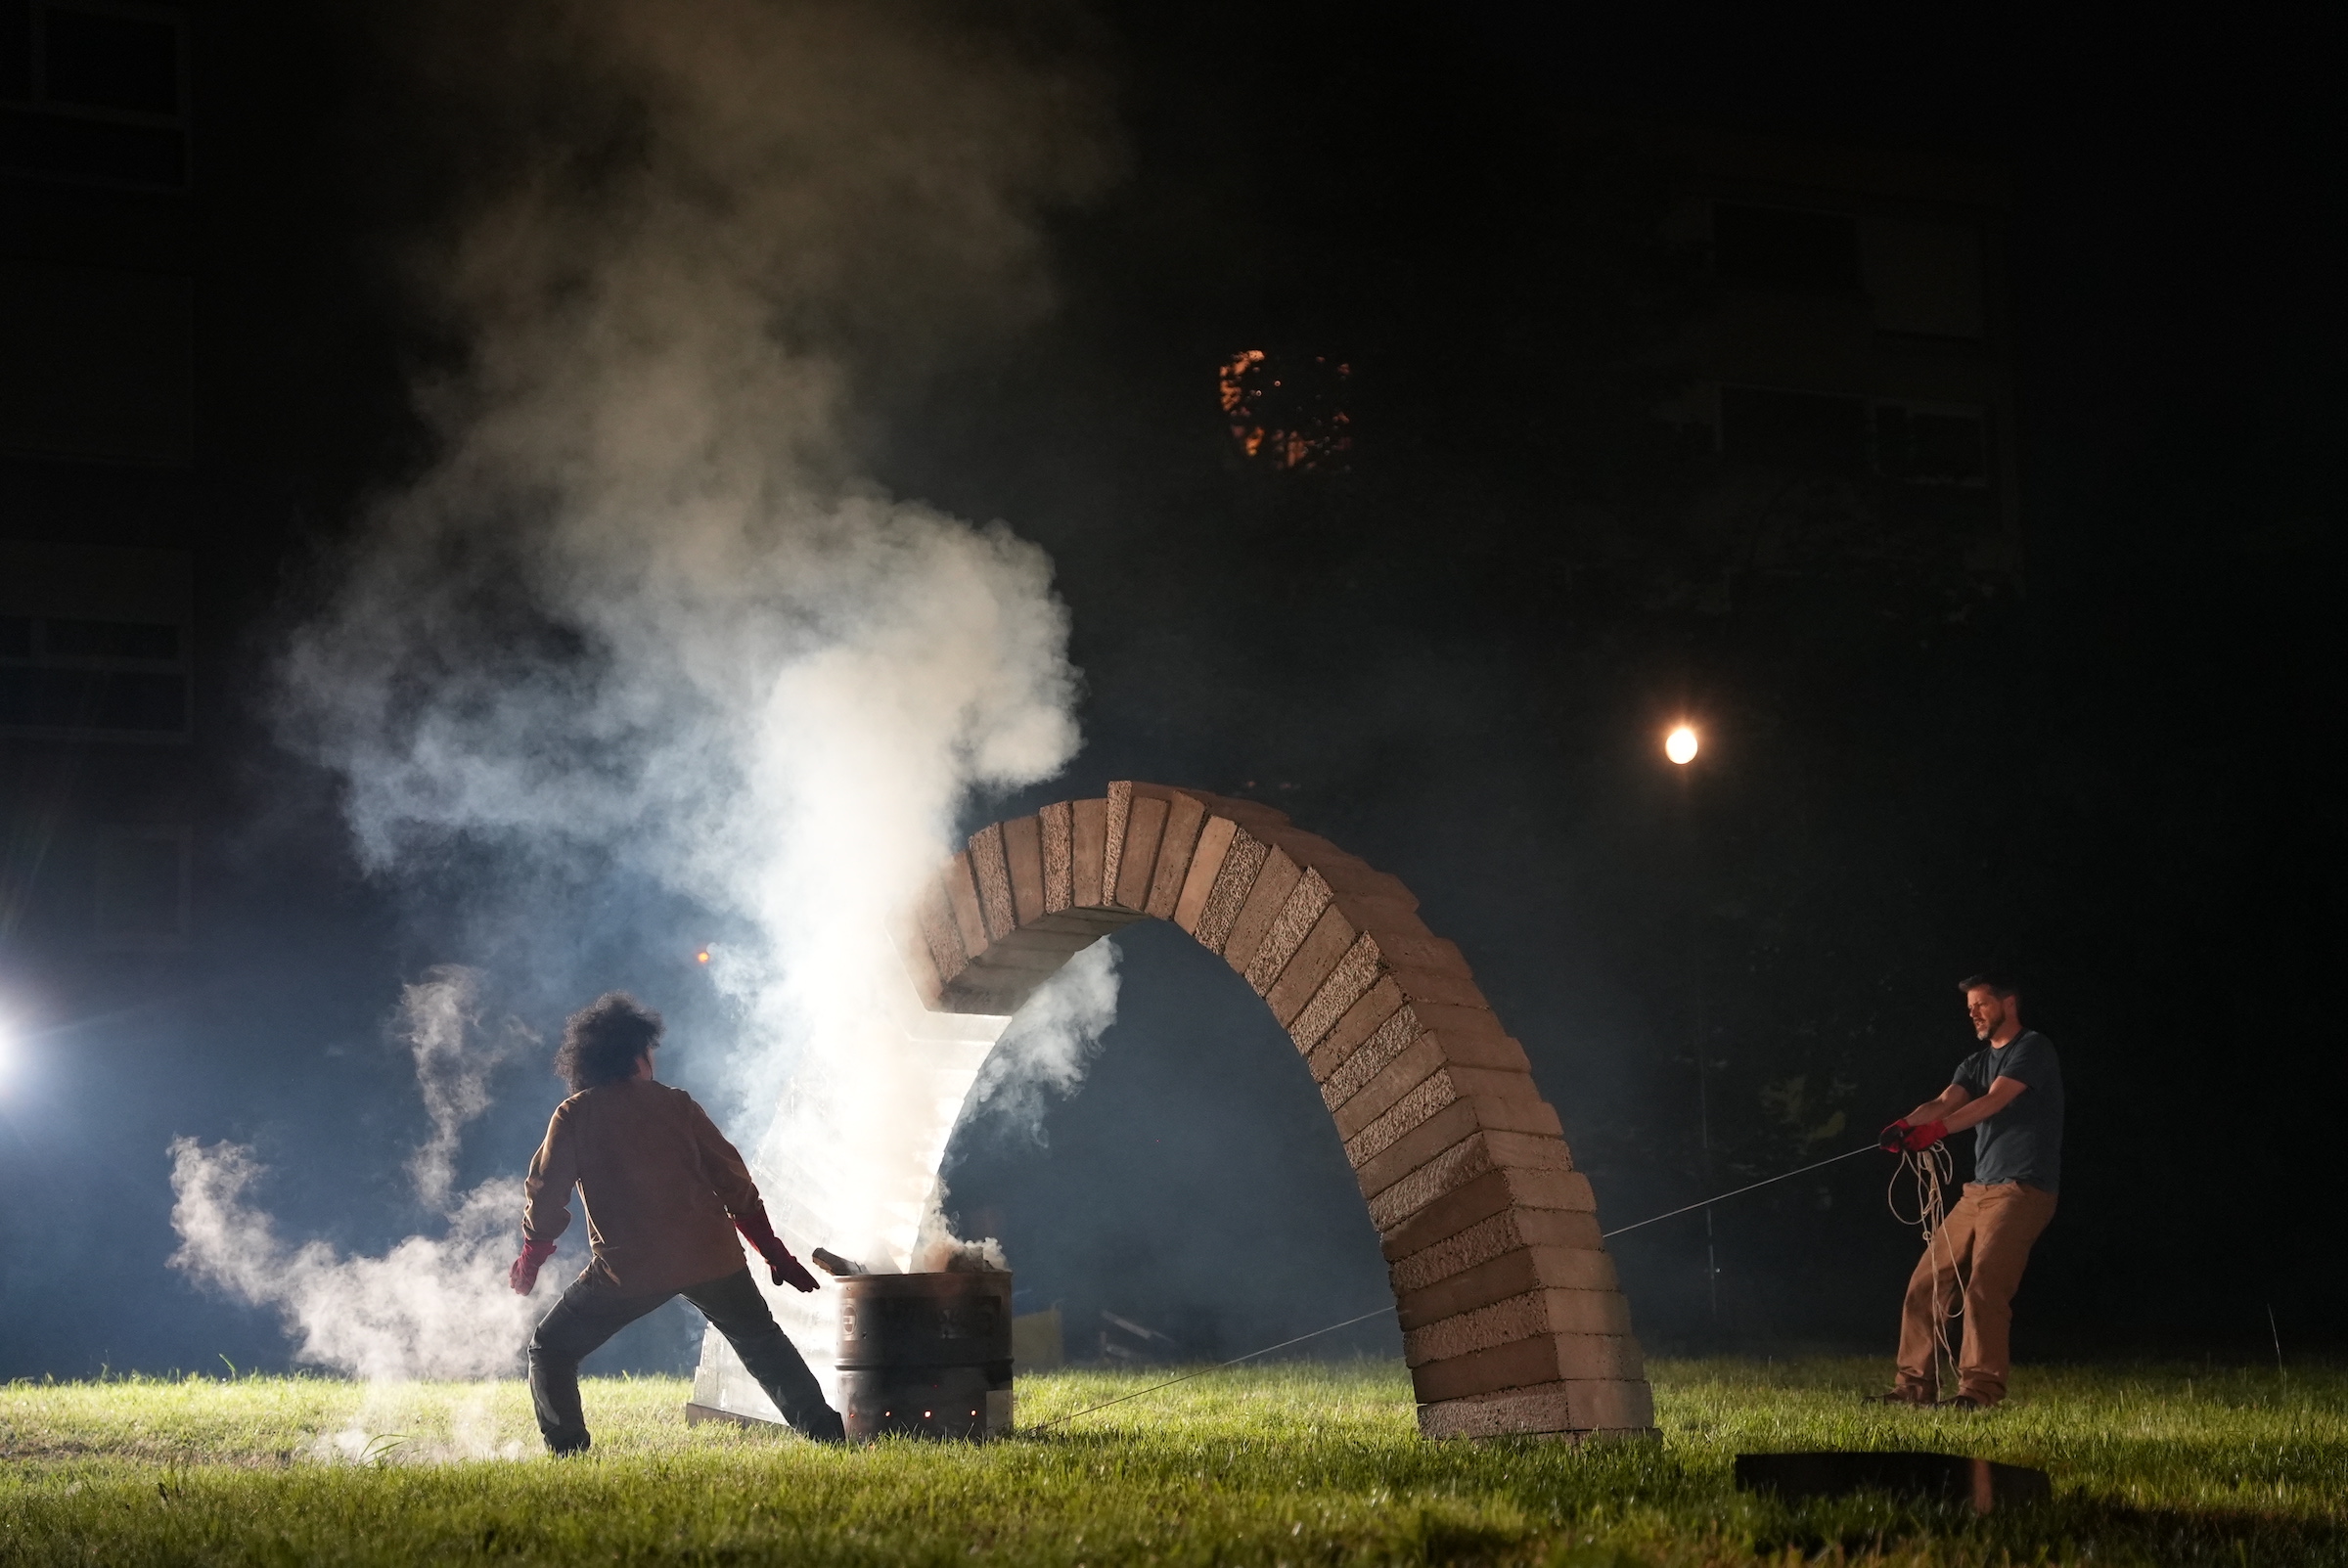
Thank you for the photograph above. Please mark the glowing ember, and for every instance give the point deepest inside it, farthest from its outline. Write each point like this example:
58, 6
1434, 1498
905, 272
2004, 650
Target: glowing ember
1288, 417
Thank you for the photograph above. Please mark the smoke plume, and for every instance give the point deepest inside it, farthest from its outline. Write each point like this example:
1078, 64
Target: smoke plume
646, 620
1048, 1048
431, 1307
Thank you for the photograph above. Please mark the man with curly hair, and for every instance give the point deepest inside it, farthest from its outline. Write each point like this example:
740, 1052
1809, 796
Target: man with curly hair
664, 1195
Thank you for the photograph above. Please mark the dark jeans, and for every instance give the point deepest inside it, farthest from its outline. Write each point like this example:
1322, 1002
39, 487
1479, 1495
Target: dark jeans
592, 1312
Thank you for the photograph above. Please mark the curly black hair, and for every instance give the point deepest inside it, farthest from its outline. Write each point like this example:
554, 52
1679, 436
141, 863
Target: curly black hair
603, 1040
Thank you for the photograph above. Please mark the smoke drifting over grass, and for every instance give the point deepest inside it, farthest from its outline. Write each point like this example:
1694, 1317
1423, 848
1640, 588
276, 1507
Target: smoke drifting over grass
644, 618
429, 1308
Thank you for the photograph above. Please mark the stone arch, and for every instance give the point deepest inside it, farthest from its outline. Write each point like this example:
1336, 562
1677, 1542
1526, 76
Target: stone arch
1513, 1319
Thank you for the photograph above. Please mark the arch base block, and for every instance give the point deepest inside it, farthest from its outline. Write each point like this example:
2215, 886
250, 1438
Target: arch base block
1568, 1410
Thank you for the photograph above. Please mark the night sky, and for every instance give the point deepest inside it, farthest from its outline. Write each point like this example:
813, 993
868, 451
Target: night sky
2105, 775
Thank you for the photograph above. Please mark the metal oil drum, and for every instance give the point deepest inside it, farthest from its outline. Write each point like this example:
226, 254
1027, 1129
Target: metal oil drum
925, 1354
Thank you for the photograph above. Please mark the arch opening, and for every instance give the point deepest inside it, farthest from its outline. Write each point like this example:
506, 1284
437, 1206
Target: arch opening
1512, 1318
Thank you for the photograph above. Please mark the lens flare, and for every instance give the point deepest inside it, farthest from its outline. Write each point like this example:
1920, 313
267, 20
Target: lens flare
1679, 745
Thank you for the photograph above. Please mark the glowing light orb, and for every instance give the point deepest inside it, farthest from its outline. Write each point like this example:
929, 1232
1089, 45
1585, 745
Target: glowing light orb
1679, 745
702, 955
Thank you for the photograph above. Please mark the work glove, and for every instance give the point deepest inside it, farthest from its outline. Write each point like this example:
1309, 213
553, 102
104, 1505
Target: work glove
787, 1270
1920, 1138
523, 1276
1893, 1140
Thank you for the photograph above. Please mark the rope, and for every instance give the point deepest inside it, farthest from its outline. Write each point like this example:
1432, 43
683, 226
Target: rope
1932, 1169
1609, 1235
1203, 1370
1379, 1312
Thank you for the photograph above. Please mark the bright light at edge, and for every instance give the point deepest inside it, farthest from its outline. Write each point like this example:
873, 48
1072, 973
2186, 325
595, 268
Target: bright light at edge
1679, 745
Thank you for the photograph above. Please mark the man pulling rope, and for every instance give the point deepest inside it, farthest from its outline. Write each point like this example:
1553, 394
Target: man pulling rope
2010, 1092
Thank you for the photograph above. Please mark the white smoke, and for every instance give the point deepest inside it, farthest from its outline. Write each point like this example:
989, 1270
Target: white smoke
643, 613
431, 1307
1051, 1044
441, 1015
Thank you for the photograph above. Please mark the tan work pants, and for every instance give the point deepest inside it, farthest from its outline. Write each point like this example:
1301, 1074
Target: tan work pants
1985, 1241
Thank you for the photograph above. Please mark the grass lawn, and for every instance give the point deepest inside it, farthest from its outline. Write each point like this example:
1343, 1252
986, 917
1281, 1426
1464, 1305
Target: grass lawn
1296, 1464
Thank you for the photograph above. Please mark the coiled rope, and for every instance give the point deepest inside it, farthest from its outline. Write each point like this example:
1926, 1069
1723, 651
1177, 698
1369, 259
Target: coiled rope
1929, 1172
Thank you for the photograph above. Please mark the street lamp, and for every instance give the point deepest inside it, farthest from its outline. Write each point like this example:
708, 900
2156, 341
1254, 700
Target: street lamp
1679, 745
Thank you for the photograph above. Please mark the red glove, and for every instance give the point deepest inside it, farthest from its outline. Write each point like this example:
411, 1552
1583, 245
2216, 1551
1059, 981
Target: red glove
523, 1276
1920, 1138
1893, 1140
787, 1270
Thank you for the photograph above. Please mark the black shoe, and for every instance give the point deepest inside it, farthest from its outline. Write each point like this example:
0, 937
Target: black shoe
1964, 1402
567, 1448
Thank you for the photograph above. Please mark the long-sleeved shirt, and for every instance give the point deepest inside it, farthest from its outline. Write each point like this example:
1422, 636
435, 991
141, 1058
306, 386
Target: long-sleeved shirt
656, 1178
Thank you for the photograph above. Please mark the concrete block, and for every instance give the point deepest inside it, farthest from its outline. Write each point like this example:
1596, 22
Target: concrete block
1573, 1313
1453, 1019
933, 918
1439, 987
1545, 1410
1185, 816
1349, 874
1610, 1405
1407, 949
920, 966
1252, 815
1144, 826
1354, 972
962, 898
1375, 913
1488, 1192
1118, 808
1322, 947
1518, 1363
1572, 1359
1377, 1092
1394, 1202
1479, 1045
1235, 886
1370, 1013
1298, 913
1535, 1234
1412, 1087
1091, 841
1023, 855
1511, 1274
1273, 886
990, 867
1559, 1407
1056, 824
1488, 1120
1207, 865
1400, 1032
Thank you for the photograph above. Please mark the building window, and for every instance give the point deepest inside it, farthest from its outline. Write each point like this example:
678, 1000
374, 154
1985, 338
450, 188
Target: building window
93, 644
141, 898
1786, 249
94, 93
1825, 432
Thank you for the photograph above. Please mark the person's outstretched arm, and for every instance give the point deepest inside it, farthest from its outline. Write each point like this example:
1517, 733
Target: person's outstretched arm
545, 1202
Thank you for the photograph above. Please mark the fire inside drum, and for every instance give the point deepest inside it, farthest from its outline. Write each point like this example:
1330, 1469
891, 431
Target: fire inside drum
925, 1354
